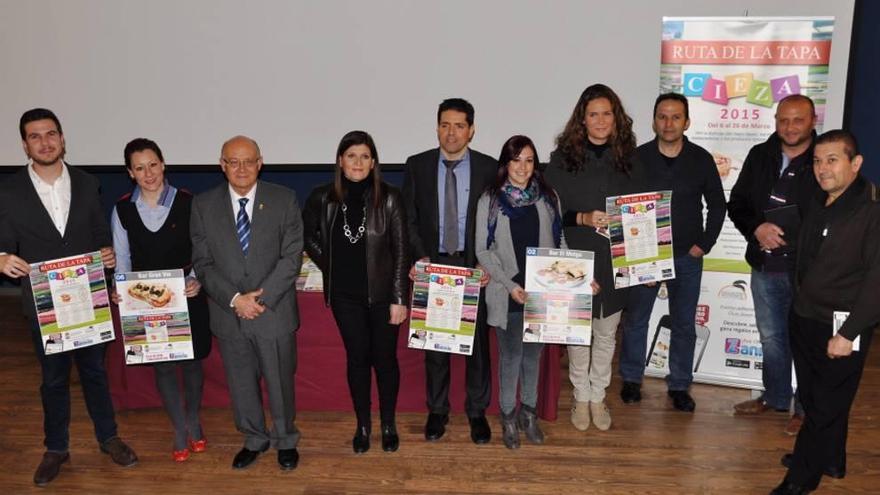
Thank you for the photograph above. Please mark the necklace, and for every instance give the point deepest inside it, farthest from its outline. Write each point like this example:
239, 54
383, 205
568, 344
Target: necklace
347, 230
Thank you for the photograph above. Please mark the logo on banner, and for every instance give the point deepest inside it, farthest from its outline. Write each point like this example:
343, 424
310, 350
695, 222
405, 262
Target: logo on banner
737, 291
740, 348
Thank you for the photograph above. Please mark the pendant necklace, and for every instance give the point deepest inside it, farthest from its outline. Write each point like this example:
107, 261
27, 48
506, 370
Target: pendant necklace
347, 230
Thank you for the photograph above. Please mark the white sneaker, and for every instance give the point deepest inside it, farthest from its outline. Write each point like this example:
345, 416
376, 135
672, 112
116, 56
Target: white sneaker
580, 415
601, 415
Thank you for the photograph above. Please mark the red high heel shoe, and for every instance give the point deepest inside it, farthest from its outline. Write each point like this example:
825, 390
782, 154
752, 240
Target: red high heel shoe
198, 445
180, 455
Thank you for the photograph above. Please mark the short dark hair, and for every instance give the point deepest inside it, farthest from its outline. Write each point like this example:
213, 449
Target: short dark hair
354, 138
676, 97
798, 97
35, 114
141, 144
850, 144
458, 104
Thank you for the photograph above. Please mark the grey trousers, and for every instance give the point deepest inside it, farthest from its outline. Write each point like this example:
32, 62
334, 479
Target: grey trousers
519, 363
183, 411
247, 358
589, 367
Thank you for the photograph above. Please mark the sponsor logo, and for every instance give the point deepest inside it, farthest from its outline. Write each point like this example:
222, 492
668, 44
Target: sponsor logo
464, 348
738, 347
736, 363
442, 347
81, 343
737, 291
106, 335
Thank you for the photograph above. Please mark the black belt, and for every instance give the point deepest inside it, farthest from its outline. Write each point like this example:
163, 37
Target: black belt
457, 254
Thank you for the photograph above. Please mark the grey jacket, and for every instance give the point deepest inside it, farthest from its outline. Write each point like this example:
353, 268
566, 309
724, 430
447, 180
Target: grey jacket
499, 259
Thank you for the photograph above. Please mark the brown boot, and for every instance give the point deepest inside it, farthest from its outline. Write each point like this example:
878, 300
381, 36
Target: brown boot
119, 452
580, 415
49, 467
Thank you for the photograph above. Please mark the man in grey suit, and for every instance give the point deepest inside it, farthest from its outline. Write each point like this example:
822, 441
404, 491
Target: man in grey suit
247, 250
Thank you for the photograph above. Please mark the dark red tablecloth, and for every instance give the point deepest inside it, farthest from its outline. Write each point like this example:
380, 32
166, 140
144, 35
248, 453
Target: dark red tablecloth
320, 376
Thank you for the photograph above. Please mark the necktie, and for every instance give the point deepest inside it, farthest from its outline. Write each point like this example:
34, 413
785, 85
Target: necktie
243, 226
450, 208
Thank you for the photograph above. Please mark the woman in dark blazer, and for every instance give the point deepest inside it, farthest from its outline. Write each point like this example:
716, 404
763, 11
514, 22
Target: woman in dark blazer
355, 231
151, 232
594, 159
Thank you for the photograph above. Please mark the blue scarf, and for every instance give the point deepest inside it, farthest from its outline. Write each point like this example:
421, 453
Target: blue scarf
510, 200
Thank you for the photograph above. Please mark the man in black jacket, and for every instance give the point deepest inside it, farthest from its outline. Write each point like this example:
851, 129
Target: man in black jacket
441, 188
774, 188
835, 308
50, 210
689, 171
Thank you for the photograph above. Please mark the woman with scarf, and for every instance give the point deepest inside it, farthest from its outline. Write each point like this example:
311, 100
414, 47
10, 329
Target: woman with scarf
517, 211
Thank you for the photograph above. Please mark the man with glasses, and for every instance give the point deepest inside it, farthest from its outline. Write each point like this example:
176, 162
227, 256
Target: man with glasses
247, 250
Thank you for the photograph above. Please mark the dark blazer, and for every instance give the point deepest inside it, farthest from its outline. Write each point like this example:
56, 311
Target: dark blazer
27, 230
420, 199
387, 243
273, 260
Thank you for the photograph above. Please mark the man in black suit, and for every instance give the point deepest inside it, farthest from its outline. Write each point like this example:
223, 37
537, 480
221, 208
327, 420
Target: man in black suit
441, 184
50, 210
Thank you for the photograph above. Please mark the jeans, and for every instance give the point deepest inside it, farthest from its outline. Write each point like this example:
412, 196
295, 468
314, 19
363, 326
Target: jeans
55, 392
684, 292
772, 294
518, 363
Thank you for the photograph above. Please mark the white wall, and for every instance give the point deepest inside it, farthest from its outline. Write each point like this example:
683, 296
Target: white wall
296, 75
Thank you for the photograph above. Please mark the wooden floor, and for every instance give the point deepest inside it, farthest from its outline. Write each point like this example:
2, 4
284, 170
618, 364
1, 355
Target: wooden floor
649, 449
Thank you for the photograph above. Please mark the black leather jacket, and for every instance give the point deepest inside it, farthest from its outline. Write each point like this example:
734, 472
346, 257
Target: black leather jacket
388, 258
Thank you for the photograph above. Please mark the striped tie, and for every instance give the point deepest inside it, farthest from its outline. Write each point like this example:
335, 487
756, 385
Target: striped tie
243, 226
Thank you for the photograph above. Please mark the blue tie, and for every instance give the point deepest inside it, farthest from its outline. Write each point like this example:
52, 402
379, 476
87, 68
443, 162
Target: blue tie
243, 226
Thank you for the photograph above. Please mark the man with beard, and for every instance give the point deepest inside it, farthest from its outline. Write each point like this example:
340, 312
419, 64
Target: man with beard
774, 187
50, 210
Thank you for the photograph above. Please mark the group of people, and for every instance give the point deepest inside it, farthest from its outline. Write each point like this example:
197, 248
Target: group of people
241, 243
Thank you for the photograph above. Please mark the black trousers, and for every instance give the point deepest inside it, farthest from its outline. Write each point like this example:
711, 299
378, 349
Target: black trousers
370, 343
826, 388
478, 368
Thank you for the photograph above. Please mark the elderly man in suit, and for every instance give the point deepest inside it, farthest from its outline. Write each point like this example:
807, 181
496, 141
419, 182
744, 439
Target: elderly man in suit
50, 210
247, 249
440, 191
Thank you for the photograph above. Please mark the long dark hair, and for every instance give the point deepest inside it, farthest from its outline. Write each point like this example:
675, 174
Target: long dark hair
510, 150
572, 142
354, 138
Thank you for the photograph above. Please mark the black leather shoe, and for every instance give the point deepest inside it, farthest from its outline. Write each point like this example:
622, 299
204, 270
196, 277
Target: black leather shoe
682, 400
49, 467
631, 392
361, 441
837, 473
789, 488
390, 439
288, 459
246, 457
480, 431
435, 428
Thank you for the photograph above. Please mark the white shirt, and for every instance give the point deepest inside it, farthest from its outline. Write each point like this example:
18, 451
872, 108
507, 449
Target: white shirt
55, 197
249, 208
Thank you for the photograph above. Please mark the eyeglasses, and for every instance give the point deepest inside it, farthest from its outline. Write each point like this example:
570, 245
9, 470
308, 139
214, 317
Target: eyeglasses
235, 163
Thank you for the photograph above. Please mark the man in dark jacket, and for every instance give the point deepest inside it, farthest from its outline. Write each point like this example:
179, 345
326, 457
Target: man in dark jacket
50, 210
441, 188
689, 171
766, 204
835, 308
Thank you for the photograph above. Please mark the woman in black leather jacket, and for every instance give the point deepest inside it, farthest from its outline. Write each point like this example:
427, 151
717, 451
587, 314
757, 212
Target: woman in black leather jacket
355, 231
